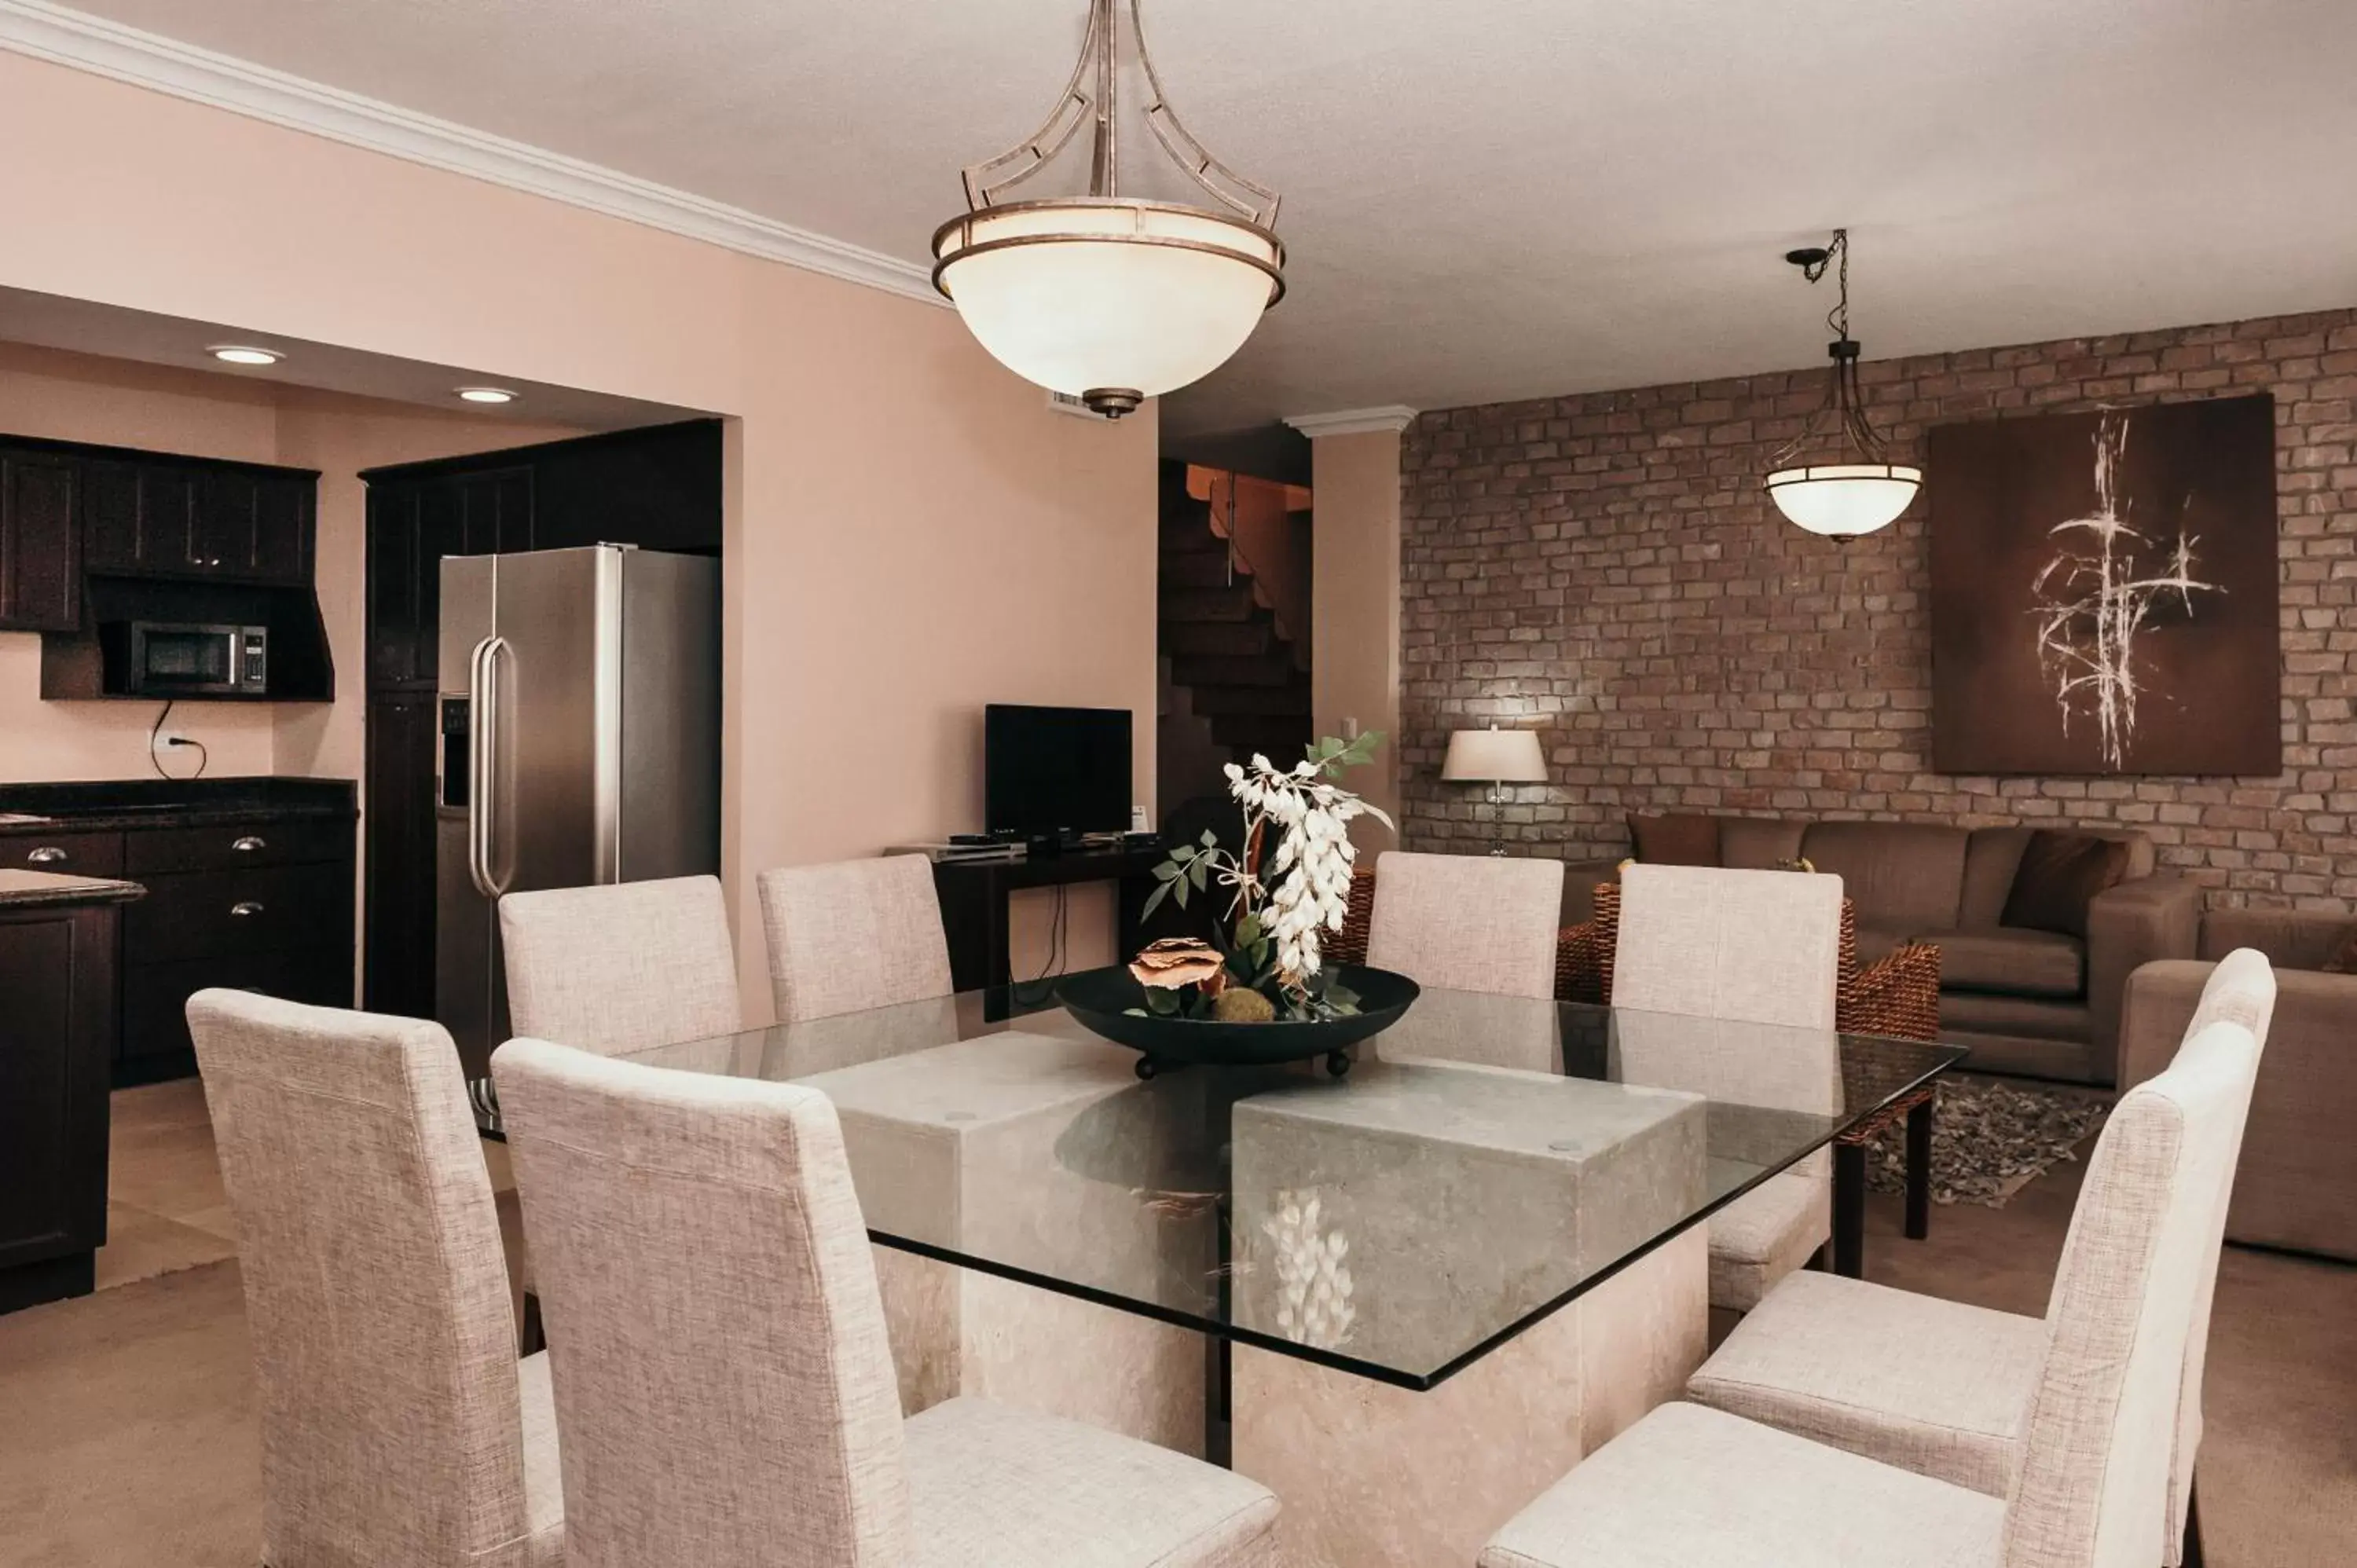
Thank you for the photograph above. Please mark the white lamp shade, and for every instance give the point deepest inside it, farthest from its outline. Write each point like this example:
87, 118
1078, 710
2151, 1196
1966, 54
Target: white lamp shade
1495, 757
1125, 296
1844, 499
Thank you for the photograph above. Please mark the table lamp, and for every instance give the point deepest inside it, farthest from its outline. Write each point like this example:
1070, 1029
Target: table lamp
1495, 757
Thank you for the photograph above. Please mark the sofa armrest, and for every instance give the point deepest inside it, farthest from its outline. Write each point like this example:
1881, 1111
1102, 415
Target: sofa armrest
2296, 1184
2155, 1009
2127, 927
1581, 878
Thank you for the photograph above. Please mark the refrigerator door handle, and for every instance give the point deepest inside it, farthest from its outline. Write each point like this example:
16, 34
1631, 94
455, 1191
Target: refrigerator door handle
482, 753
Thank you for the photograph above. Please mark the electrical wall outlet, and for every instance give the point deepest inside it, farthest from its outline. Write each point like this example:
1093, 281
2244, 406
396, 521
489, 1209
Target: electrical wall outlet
166, 739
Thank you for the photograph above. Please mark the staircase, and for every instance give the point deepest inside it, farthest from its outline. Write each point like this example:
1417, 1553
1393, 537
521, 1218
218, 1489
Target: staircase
1243, 673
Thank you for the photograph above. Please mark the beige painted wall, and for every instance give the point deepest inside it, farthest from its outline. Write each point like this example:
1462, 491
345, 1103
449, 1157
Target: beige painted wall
81, 397
912, 531
1354, 623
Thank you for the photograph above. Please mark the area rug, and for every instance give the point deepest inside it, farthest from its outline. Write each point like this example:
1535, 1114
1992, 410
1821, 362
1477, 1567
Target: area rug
1990, 1138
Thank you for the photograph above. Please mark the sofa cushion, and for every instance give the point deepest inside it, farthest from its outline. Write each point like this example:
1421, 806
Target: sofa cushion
1996, 1013
1875, 943
1995, 854
2071, 1061
2010, 961
1990, 859
1676, 839
1758, 844
2060, 874
1898, 874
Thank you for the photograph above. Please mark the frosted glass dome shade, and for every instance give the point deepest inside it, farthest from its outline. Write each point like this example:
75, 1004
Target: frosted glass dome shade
1113, 301
1844, 499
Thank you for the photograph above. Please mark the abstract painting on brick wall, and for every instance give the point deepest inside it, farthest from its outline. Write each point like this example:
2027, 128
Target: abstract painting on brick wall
2104, 592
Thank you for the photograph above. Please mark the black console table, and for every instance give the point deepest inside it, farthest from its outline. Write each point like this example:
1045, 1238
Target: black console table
973, 896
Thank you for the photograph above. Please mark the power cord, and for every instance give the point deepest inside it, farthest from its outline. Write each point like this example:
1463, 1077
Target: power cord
1059, 935
204, 757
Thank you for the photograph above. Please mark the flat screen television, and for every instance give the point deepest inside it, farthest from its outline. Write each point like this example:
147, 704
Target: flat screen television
1055, 770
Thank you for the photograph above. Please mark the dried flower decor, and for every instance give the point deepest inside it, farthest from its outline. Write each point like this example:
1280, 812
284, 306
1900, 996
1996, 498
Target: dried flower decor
1291, 884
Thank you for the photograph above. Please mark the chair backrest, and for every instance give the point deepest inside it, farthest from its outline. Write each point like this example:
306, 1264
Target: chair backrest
2241, 990
725, 1393
2091, 1488
1762, 947
622, 966
376, 1290
853, 934
1464, 922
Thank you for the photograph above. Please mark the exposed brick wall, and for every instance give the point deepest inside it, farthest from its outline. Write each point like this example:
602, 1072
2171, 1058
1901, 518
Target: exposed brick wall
1605, 566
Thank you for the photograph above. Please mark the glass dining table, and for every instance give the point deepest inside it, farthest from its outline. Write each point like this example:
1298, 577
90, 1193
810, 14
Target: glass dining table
1498, 1189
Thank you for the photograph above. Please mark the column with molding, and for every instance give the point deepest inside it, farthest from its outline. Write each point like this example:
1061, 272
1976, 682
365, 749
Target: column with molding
1354, 645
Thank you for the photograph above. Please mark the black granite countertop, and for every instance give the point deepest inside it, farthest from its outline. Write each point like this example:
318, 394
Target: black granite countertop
102, 805
30, 889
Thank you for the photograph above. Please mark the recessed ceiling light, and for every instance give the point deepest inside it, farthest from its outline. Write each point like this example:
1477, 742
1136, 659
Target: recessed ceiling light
486, 394
244, 354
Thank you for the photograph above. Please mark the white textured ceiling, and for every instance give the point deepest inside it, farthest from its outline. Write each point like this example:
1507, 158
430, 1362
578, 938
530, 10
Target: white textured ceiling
1495, 199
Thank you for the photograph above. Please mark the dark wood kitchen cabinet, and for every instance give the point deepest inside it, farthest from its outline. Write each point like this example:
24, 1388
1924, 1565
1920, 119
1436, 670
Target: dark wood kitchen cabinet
235, 523
258, 906
40, 542
411, 528
249, 886
59, 944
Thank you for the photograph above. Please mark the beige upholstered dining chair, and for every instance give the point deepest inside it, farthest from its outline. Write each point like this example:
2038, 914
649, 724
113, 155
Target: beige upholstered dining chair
724, 1390
1754, 947
397, 1427
2089, 1489
618, 967
1466, 922
853, 934
622, 966
1941, 1388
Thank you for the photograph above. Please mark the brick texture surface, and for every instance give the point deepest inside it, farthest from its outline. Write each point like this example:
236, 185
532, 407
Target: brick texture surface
1606, 568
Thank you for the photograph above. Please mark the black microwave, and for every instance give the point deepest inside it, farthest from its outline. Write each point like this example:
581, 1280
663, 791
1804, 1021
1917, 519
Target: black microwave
161, 658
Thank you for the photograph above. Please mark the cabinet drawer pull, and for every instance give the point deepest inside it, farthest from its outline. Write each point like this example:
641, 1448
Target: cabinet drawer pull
248, 845
47, 854
245, 906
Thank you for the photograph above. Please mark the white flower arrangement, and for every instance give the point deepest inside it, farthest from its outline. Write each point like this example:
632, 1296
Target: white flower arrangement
1313, 1282
1283, 901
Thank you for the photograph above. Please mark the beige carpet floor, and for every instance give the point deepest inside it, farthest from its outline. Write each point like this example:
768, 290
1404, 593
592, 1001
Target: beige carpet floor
128, 1437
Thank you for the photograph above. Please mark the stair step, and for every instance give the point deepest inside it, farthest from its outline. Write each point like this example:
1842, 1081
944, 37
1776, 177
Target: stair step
1286, 702
1188, 531
1200, 604
1184, 639
1271, 668
1279, 739
1195, 569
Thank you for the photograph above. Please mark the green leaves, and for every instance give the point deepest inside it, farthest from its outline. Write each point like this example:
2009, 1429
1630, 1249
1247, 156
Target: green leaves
1335, 756
1188, 869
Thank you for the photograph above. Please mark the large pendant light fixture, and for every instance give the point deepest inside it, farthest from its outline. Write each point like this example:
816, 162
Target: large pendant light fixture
1107, 297
1862, 490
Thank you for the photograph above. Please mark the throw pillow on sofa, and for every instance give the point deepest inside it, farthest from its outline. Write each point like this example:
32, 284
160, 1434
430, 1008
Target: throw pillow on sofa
2060, 876
1676, 839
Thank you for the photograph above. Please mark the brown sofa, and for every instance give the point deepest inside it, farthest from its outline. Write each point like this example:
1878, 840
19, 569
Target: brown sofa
2296, 1186
2028, 1002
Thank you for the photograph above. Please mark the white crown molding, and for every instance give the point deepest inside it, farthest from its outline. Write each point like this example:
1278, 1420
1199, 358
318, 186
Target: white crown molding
66, 36
1392, 417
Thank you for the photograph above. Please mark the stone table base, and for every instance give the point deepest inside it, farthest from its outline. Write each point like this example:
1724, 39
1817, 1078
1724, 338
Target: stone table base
1372, 1476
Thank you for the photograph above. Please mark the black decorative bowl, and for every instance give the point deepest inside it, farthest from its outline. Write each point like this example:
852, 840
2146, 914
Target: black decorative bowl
1102, 999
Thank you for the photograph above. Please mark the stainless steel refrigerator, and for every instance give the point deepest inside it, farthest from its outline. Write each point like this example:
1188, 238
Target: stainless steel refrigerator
579, 744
